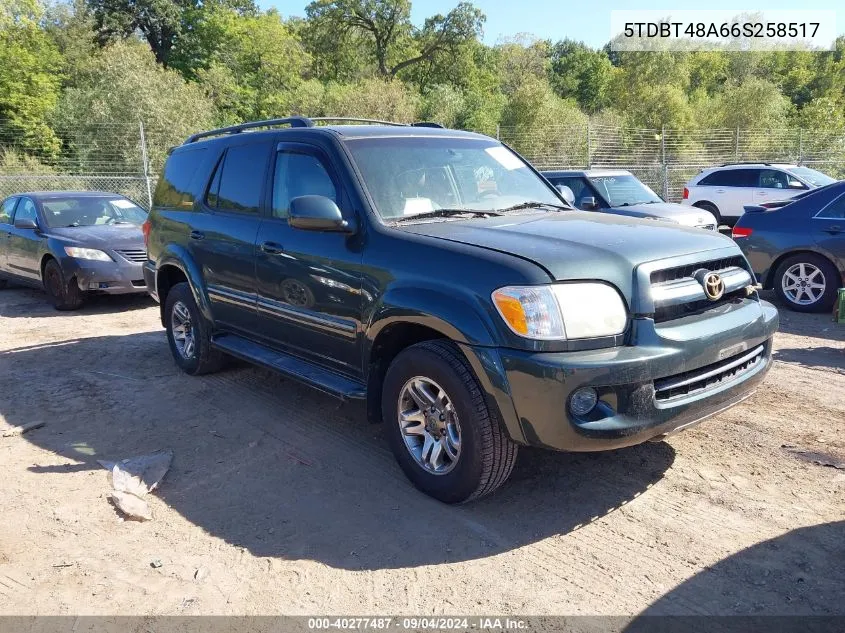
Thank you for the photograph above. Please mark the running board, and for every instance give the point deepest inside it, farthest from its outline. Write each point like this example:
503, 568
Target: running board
319, 378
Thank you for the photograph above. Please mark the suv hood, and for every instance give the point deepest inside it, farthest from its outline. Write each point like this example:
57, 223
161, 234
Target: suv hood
101, 236
580, 245
684, 215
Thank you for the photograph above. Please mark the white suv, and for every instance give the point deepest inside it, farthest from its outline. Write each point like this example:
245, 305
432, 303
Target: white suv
725, 190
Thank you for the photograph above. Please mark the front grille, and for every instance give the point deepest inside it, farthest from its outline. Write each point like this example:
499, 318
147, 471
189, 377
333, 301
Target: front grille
672, 312
679, 272
134, 255
690, 383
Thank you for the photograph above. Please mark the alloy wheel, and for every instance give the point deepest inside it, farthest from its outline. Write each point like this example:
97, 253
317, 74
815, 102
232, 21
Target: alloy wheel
183, 331
429, 425
803, 284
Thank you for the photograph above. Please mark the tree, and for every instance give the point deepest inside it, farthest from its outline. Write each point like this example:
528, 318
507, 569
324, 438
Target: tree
119, 87
389, 100
385, 26
578, 72
30, 78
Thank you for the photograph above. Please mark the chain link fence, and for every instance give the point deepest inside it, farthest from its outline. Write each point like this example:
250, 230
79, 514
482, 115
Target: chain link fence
666, 159
126, 157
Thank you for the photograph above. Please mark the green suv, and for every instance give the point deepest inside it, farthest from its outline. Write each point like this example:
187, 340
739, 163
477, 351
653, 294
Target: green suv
437, 276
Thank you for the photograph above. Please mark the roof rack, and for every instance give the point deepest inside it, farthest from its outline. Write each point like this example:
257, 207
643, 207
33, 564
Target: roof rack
298, 121
745, 162
293, 121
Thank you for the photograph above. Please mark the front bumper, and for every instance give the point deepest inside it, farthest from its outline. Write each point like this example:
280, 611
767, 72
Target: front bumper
532, 390
113, 278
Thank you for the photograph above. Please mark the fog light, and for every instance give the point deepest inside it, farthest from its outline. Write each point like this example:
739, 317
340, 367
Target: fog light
583, 401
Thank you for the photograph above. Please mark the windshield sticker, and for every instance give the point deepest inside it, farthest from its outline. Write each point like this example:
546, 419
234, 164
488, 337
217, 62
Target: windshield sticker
123, 204
504, 157
413, 206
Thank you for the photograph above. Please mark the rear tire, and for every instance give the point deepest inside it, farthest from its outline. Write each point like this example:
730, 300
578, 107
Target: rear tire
820, 279
64, 293
484, 457
712, 208
189, 334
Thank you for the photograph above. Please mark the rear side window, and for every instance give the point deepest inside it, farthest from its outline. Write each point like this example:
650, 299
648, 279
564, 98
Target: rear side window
732, 178
174, 187
835, 210
236, 184
6, 211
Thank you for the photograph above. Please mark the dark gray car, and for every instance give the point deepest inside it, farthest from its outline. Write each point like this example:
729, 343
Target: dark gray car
619, 192
72, 244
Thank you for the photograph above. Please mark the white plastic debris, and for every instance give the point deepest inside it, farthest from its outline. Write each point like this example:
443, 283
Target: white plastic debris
133, 478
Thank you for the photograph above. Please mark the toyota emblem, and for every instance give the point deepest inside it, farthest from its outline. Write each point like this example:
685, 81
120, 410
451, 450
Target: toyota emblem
714, 287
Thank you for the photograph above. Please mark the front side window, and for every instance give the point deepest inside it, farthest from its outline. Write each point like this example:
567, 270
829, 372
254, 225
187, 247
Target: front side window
406, 176
236, 185
26, 210
73, 211
624, 190
6, 210
775, 179
299, 174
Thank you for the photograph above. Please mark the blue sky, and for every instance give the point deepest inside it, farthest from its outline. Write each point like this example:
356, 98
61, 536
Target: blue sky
584, 20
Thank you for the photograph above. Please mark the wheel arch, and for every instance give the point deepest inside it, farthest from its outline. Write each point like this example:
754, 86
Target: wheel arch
175, 265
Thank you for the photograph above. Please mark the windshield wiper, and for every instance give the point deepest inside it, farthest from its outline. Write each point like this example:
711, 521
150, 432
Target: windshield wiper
535, 205
631, 204
445, 213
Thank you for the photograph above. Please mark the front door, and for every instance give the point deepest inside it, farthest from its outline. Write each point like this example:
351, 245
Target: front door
309, 282
222, 237
7, 210
776, 185
23, 244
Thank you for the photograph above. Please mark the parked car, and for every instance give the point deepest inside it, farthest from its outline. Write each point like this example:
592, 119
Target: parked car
72, 244
619, 192
798, 249
452, 289
725, 190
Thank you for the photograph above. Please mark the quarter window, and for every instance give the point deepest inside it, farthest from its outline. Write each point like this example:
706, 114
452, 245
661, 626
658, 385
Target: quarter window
174, 187
7, 210
299, 174
835, 210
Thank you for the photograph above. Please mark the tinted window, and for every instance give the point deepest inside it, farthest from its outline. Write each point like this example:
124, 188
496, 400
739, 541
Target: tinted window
732, 178
241, 176
579, 186
299, 174
835, 210
6, 210
774, 179
174, 187
26, 209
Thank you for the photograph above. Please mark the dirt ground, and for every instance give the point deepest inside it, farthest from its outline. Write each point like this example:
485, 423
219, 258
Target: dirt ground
280, 501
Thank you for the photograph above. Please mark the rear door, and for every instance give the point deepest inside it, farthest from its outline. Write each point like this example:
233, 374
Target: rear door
775, 184
829, 229
732, 189
309, 282
7, 210
222, 238
23, 245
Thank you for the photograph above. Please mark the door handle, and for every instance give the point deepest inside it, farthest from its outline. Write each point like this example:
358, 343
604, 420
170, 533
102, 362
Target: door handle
720, 191
271, 248
197, 235
833, 230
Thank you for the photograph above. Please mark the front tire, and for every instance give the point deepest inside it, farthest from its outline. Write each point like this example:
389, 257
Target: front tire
807, 283
64, 293
189, 334
447, 440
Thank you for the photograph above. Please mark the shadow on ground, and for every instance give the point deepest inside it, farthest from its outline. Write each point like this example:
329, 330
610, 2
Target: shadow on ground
28, 302
285, 472
813, 357
791, 575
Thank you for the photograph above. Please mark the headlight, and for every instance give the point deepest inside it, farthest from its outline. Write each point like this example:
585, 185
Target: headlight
87, 253
562, 311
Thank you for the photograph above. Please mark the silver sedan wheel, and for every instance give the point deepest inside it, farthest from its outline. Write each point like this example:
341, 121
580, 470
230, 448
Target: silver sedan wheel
429, 425
183, 331
803, 284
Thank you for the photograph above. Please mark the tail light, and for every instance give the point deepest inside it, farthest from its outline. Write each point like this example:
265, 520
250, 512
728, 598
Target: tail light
740, 231
145, 228
686, 193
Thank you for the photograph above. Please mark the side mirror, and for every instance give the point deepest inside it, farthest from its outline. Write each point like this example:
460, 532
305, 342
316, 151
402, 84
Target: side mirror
317, 213
25, 223
796, 184
589, 203
566, 193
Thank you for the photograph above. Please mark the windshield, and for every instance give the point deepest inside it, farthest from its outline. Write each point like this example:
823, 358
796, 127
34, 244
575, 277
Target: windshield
408, 176
623, 190
812, 176
91, 211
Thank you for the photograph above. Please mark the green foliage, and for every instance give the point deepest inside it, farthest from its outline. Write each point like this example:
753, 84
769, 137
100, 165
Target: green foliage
581, 73
388, 100
30, 77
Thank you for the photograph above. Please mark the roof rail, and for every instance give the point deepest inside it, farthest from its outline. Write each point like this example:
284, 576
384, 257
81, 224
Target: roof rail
427, 124
745, 162
293, 121
347, 119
